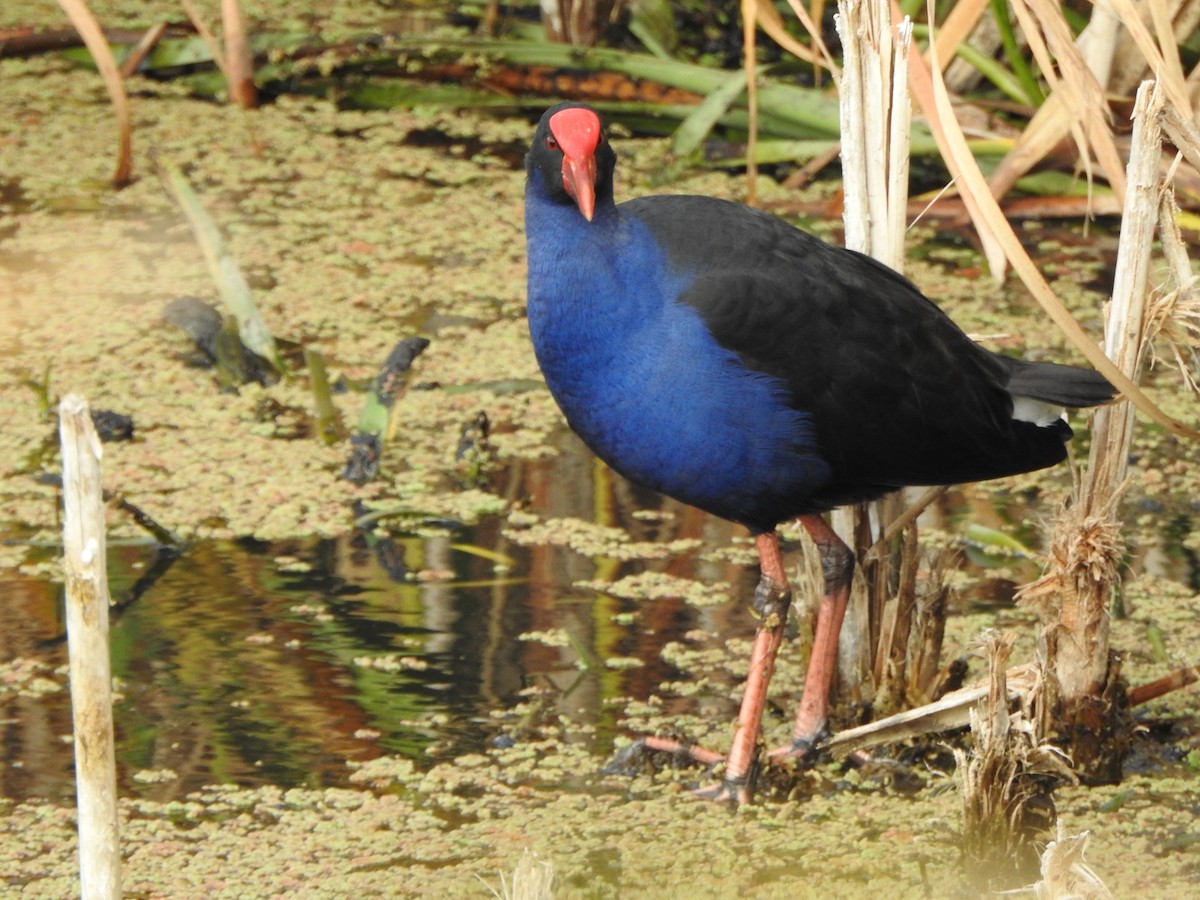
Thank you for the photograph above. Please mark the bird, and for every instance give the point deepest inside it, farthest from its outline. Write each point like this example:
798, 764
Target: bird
721, 356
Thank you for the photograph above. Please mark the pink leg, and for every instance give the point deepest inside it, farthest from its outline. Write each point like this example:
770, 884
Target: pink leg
837, 564
771, 599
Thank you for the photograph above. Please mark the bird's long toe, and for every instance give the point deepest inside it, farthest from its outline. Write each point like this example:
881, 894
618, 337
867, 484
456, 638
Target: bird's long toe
803, 752
735, 793
639, 755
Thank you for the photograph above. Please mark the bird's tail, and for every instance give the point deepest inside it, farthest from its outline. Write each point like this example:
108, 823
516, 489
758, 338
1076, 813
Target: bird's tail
1055, 383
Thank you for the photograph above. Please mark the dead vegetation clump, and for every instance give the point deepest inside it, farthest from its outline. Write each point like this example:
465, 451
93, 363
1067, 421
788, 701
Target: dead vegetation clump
1007, 777
1065, 875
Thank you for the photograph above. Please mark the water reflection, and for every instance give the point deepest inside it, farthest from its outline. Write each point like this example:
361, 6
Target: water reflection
253, 663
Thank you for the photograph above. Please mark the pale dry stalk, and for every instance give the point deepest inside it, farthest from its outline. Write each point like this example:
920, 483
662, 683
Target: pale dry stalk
876, 115
88, 653
93, 37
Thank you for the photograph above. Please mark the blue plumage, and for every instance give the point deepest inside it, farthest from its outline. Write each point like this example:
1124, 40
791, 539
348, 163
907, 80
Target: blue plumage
642, 380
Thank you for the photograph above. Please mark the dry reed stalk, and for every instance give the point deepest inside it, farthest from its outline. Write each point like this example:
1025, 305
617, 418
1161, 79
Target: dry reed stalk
771, 22
1077, 71
239, 59
749, 63
993, 227
875, 126
93, 37
84, 551
961, 22
1129, 65
875, 119
139, 53
1007, 776
1154, 49
206, 35
967, 23
1073, 597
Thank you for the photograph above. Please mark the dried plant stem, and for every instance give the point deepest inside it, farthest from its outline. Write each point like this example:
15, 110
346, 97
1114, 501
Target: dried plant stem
239, 60
749, 63
1073, 597
875, 119
206, 35
1124, 335
93, 36
1180, 678
1007, 776
87, 645
875, 125
1064, 872
139, 53
994, 228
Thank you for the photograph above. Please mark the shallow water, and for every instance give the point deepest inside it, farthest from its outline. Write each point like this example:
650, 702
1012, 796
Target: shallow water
258, 663
255, 663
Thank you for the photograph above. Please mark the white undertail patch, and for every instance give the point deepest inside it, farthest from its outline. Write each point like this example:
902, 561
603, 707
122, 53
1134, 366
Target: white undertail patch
1039, 412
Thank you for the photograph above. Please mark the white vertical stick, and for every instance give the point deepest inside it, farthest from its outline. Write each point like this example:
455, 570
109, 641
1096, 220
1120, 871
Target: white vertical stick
87, 643
856, 213
900, 125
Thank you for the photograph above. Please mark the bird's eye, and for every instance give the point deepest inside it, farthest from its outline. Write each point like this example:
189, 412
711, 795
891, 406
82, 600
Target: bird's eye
551, 143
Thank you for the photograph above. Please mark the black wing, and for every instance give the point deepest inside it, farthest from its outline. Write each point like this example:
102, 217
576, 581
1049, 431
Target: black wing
898, 393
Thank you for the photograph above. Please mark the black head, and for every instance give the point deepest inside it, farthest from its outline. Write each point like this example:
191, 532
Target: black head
572, 156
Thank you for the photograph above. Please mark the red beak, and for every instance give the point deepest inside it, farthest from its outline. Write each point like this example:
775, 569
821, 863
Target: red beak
579, 179
577, 132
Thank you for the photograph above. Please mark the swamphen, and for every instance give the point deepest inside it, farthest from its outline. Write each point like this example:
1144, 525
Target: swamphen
720, 356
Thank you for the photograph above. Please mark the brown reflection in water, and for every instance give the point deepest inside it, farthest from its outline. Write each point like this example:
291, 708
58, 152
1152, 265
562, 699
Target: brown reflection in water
234, 668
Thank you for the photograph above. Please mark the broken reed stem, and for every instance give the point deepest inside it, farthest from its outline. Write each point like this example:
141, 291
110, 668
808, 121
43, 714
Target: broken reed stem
1073, 597
1082, 664
875, 126
88, 650
1124, 332
1008, 775
749, 62
239, 59
93, 37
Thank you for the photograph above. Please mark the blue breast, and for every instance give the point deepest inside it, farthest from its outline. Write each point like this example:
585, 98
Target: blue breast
643, 382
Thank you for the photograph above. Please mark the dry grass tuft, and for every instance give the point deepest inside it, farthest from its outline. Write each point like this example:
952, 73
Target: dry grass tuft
1065, 876
531, 880
1084, 552
1174, 315
1007, 776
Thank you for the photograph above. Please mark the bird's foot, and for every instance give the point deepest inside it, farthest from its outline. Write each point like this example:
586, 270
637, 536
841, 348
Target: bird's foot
735, 792
636, 757
802, 752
